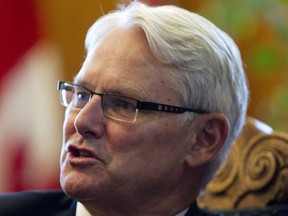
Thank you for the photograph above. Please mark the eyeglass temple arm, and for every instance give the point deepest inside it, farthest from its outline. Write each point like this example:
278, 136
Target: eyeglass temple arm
166, 108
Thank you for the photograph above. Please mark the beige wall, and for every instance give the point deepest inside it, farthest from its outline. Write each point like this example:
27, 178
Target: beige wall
67, 22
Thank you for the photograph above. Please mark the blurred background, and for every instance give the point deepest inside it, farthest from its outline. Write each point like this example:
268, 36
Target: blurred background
42, 41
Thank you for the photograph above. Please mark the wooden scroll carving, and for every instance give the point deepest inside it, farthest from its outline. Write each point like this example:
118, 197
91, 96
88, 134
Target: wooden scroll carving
255, 174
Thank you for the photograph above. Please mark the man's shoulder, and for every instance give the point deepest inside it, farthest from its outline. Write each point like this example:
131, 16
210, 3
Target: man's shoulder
36, 203
40, 197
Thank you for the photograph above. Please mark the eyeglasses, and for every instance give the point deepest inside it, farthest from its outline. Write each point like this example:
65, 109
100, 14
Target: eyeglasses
114, 106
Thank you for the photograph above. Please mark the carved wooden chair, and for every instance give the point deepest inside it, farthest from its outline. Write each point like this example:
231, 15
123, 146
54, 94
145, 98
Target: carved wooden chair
255, 176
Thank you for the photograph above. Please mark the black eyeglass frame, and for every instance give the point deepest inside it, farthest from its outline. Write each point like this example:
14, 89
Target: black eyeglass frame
141, 105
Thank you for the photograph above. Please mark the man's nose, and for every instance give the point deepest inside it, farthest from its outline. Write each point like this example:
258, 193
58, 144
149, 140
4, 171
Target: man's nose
90, 119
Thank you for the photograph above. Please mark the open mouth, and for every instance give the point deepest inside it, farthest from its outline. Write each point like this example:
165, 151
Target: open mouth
79, 153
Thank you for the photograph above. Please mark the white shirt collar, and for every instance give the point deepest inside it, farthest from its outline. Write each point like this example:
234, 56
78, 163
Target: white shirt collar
81, 211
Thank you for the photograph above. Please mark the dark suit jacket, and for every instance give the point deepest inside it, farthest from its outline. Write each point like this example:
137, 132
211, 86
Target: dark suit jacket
51, 203
35, 203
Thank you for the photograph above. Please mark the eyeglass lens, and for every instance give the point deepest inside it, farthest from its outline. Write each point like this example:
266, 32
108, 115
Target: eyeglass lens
114, 106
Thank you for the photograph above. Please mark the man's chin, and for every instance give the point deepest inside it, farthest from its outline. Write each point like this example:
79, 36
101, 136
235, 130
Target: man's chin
77, 189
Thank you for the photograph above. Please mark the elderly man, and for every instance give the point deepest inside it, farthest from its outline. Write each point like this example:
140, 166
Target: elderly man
149, 117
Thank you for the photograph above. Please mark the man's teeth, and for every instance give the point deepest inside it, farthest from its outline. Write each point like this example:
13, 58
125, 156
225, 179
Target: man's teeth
84, 154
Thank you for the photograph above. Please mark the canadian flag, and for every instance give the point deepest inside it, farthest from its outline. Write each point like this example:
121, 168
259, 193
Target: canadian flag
30, 114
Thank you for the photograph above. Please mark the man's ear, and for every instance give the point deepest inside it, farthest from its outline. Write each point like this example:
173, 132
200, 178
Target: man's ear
210, 136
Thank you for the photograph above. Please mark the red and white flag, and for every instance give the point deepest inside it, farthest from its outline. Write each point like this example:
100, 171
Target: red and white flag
30, 115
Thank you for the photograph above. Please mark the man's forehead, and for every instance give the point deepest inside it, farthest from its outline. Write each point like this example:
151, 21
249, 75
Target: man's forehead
123, 48
129, 39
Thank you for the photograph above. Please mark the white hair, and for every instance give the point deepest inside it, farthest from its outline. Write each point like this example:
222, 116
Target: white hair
206, 66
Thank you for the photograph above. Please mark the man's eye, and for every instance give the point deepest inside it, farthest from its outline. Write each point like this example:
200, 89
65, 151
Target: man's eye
119, 103
80, 99
125, 105
82, 96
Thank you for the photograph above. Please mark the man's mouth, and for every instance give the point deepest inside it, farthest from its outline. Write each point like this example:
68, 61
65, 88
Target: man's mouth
81, 156
76, 152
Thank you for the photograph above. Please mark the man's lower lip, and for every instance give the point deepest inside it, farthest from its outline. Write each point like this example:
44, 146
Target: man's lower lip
81, 161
